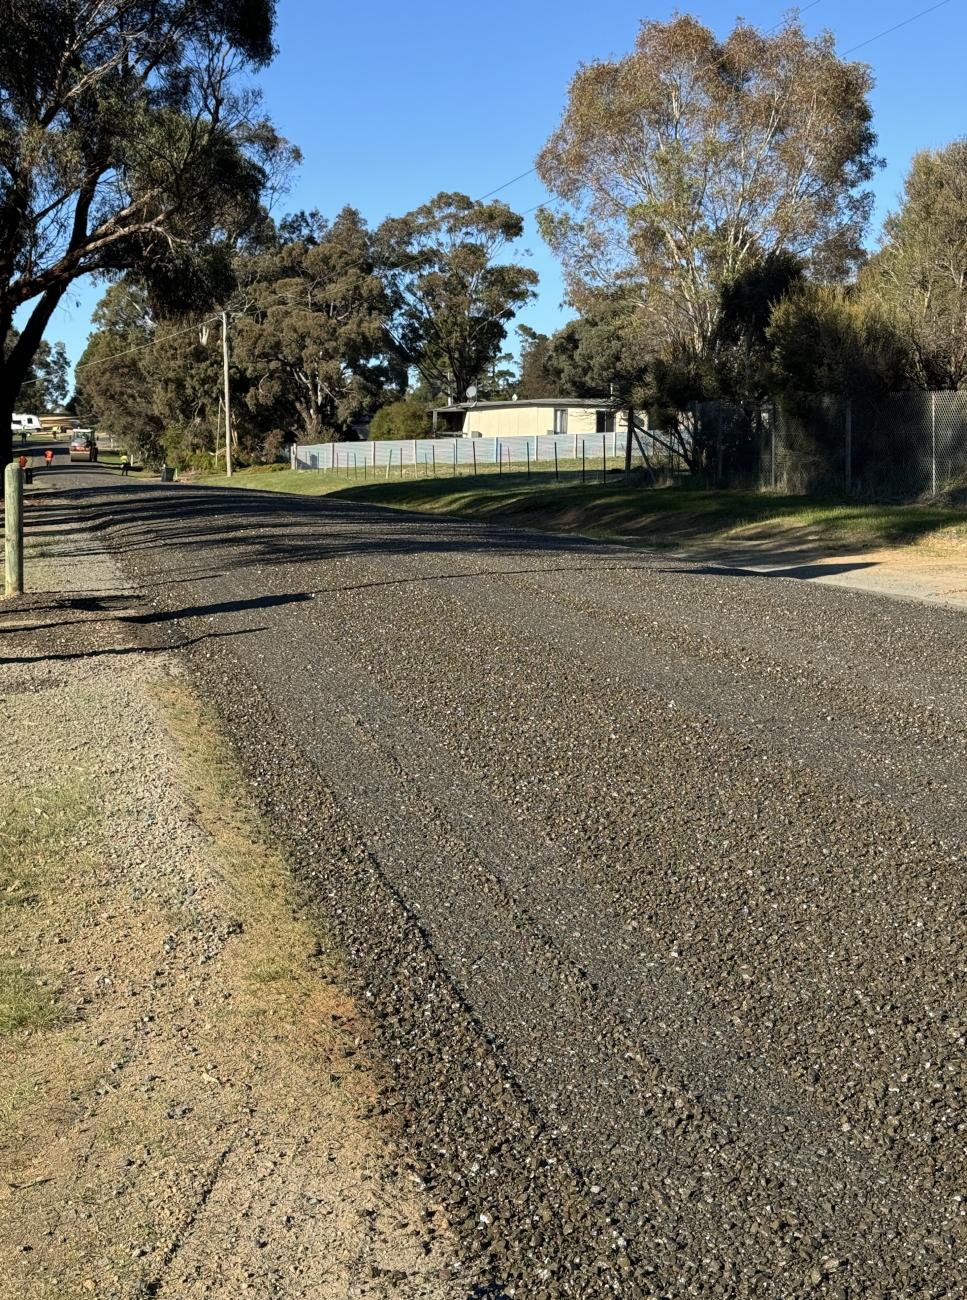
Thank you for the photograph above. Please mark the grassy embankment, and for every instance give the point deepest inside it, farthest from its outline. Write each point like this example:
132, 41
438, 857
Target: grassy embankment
634, 512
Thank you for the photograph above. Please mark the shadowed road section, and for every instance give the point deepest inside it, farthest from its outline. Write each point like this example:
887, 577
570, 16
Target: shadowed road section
651, 877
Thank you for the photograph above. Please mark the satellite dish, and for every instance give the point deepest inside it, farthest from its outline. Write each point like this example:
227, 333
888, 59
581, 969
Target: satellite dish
471, 392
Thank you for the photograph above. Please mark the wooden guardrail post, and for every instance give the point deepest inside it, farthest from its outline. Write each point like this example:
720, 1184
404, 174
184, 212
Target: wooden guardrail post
13, 518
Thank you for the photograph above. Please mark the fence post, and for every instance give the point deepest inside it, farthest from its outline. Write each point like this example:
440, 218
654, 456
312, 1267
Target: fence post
527, 448
454, 458
13, 503
772, 453
718, 446
473, 448
556, 475
933, 444
389, 463
849, 443
575, 456
583, 460
374, 458
433, 449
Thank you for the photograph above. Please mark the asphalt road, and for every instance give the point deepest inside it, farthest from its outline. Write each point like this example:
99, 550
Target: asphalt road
651, 876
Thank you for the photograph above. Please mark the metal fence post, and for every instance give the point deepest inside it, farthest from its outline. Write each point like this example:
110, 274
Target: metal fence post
848, 449
718, 446
604, 458
933, 444
473, 448
556, 475
772, 452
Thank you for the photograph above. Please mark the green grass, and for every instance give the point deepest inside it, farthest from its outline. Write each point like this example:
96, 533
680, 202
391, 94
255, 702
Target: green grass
38, 830
619, 509
26, 1002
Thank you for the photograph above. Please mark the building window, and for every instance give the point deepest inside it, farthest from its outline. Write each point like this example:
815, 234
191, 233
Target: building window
604, 421
560, 419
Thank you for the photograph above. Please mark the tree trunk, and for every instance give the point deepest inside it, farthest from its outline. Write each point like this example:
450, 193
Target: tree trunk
14, 368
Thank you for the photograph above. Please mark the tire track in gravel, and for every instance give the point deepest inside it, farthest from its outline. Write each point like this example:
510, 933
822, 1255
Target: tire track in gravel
701, 1019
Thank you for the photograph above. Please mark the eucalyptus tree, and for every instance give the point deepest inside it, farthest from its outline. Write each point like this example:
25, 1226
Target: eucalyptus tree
453, 296
311, 336
126, 142
920, 272
683, 164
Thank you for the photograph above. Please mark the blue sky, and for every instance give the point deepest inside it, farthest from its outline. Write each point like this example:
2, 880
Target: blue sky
391, 103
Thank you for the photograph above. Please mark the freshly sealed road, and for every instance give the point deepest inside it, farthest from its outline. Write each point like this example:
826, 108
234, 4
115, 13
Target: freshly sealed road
651, 876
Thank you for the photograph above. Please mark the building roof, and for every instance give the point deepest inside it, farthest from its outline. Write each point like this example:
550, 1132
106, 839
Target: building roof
590, 403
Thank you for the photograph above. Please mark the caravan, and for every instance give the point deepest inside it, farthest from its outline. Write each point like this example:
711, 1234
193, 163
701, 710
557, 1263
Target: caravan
25, 423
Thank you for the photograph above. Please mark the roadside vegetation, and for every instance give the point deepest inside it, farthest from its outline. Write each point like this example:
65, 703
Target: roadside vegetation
726, 267
631, 511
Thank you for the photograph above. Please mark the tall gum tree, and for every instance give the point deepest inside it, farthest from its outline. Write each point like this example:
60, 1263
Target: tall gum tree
313, 336
682, 164
125, 144
453, 297
920, 272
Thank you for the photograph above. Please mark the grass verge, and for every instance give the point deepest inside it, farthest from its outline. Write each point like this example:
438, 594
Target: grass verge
617, 509
39, 827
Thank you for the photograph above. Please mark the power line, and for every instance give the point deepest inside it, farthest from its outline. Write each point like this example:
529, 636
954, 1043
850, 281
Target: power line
896, 27
530, 171
799, 14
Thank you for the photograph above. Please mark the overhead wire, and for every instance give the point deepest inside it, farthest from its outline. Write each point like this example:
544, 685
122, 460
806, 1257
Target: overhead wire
896, 27
489, 194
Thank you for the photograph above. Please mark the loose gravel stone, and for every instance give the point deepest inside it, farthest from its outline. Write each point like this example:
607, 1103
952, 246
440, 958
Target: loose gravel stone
650, 877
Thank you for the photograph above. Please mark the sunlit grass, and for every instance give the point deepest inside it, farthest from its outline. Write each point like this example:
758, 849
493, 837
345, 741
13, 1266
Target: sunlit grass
611, 506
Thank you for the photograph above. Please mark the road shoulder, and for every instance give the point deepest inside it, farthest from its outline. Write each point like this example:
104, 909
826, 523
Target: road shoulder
186, 1102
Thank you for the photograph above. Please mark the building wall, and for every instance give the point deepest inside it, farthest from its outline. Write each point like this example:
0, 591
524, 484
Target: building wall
531, 421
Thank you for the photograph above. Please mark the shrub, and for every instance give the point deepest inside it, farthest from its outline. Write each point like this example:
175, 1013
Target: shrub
407, 418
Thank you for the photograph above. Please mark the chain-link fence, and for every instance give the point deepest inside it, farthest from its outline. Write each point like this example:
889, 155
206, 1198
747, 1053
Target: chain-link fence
901, 445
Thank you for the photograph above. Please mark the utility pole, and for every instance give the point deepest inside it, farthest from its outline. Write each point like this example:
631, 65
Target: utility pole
228, 399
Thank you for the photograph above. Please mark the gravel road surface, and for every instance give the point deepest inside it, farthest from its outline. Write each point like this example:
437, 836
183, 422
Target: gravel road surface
652, 877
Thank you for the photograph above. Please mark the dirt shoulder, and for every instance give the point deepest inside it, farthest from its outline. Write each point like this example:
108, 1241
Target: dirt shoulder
187, 1107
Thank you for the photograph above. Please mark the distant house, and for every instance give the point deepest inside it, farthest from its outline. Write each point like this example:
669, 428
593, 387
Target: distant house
531, 418
59, 420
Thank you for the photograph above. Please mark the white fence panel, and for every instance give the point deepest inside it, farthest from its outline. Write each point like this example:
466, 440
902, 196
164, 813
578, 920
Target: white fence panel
487, 454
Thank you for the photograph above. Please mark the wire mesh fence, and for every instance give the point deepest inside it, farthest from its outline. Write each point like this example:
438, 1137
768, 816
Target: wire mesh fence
903, 445
900, 445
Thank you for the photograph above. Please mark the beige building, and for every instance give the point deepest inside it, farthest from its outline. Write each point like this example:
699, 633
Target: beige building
530, 419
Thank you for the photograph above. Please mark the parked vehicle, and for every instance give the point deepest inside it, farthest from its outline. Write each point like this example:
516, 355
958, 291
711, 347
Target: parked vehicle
20, 423
83, 446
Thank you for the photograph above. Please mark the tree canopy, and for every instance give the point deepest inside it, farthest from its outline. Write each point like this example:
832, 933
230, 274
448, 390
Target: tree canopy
125, 141
920, 272
452, 297
312, 337
690, 159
